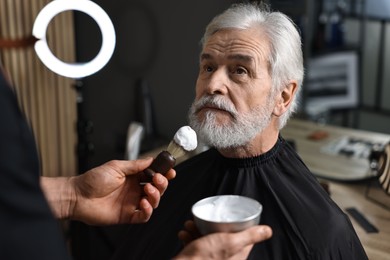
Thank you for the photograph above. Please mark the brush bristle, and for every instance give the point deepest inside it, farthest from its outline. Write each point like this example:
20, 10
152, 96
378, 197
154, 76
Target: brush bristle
175, 149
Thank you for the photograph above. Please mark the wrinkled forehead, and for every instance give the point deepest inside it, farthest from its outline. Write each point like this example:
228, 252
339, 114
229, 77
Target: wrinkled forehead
251, 43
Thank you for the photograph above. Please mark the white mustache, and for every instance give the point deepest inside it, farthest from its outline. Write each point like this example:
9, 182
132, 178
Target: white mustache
217, 102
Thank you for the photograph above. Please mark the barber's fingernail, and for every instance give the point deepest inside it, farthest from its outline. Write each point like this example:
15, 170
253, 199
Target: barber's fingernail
159, 179
265, 230
151, 189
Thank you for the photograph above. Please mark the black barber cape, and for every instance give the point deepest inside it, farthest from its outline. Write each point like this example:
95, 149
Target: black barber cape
306, 223
27, 227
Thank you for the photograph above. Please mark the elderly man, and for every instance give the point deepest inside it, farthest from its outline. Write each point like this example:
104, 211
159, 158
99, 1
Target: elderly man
251, 70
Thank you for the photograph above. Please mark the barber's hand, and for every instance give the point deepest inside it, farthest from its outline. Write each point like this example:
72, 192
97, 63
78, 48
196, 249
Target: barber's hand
111, 193
221, 245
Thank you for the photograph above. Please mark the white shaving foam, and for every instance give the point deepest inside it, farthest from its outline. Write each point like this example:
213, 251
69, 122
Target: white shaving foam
186, 138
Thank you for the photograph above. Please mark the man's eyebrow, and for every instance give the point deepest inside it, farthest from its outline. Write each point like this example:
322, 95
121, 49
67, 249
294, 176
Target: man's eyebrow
205, 56
241, 57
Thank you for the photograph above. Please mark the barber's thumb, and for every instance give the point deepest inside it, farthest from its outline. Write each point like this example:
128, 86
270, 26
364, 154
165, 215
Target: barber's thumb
261, 233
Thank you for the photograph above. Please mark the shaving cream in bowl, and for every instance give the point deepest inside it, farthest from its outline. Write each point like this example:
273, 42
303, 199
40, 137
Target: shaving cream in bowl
226, 213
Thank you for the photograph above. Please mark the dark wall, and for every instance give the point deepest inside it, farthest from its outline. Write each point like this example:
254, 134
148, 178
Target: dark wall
157, 41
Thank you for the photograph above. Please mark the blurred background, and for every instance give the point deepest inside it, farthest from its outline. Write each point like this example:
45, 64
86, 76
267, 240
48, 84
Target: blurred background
81, 123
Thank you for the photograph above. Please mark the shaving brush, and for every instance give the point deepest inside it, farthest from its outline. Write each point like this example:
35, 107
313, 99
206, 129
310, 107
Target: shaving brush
185, 140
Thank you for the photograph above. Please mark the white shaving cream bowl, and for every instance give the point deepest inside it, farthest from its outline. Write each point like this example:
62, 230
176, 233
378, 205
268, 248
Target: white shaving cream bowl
226, 213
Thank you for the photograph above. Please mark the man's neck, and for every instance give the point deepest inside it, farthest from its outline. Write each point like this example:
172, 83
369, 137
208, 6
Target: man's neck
262, 143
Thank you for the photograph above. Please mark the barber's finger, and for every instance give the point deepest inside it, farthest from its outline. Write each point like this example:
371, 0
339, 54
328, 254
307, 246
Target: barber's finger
131, 167
143, 214
250, 236
190, 226
152, 195
189, 233
185, 237
160, 182
171, 174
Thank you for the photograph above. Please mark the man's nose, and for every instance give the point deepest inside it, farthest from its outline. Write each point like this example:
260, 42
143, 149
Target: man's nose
218, 82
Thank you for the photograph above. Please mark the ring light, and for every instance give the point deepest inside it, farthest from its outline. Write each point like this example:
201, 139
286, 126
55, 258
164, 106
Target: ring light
76, 70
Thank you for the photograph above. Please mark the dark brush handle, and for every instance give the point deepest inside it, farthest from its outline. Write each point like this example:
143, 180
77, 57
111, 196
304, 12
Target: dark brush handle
161, 164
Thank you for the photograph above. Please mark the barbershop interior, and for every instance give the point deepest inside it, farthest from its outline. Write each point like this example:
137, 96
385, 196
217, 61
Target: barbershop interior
114, 80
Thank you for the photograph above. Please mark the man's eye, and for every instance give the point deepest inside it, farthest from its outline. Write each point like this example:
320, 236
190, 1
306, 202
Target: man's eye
208, 69
240, 71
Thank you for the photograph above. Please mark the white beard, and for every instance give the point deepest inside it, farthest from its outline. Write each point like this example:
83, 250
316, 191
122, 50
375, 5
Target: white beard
237, 133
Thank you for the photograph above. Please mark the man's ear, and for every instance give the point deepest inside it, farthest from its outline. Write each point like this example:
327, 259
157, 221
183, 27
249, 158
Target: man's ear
284, 98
